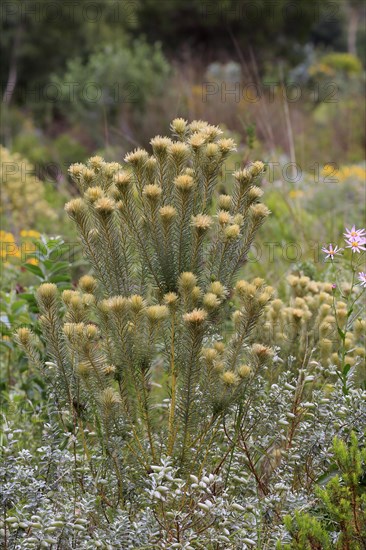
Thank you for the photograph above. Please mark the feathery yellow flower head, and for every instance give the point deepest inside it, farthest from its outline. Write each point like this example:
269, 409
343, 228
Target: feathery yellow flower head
255, 193
259, 211
109, 369
179, 151
184, 183
75, 208
88, 175
74, 332
325, 346
209, 354
122, 180
243, 176
88, 284
219, 366
152, 192
195, 317
96, 162
104, 305
92, 194
327, 287
211, 301
232, 231
229, 378
84, 369
238, 219
226, 145
225, 202
88, 299
258, 282
67, 296
137, 303
217, 288
160, 145
119, 304
167, 213
198, 126
188, 172
257, 168
179, 126
110, 401
262, 352
236, 316
297, 313
223, 217
359, 327
47, 294
197, 140
219, 347
202, 222
105, 206
137, 158
360, 351
76, 170
24, 336
171, 299
265, 296
212, 132
91, 332
111, 168
244, 371
187, 281
245, 290
75, 301
157, 313
212, 150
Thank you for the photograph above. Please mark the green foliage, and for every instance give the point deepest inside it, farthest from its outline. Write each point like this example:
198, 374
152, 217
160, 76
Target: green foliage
46, 262
342, 502
22, 192
256, 25
35, 35
114, 79
20, 382
50, 157
342, 62
307, 533
51, 265
145, 227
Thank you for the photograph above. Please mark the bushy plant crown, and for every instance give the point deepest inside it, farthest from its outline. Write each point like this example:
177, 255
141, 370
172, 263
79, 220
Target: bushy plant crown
141, 340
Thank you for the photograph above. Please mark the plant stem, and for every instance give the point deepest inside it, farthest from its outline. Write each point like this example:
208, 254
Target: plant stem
147, 417
171, 429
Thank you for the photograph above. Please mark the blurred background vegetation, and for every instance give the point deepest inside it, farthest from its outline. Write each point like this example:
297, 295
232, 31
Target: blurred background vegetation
285, 78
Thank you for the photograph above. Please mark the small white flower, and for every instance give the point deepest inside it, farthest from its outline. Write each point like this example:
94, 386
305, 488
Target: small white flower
362, 278
356, 244
331, 252
353, 232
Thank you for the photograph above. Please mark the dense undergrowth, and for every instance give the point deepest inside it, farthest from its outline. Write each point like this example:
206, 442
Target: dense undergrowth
171, 398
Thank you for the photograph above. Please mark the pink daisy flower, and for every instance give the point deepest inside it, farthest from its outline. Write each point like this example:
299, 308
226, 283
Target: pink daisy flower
331, 252
353, 233
356, 244
362, 278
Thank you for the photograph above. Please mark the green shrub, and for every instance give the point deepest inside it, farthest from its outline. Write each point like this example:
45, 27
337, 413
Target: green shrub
342, 505
172, 424
22, 192
113, 80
